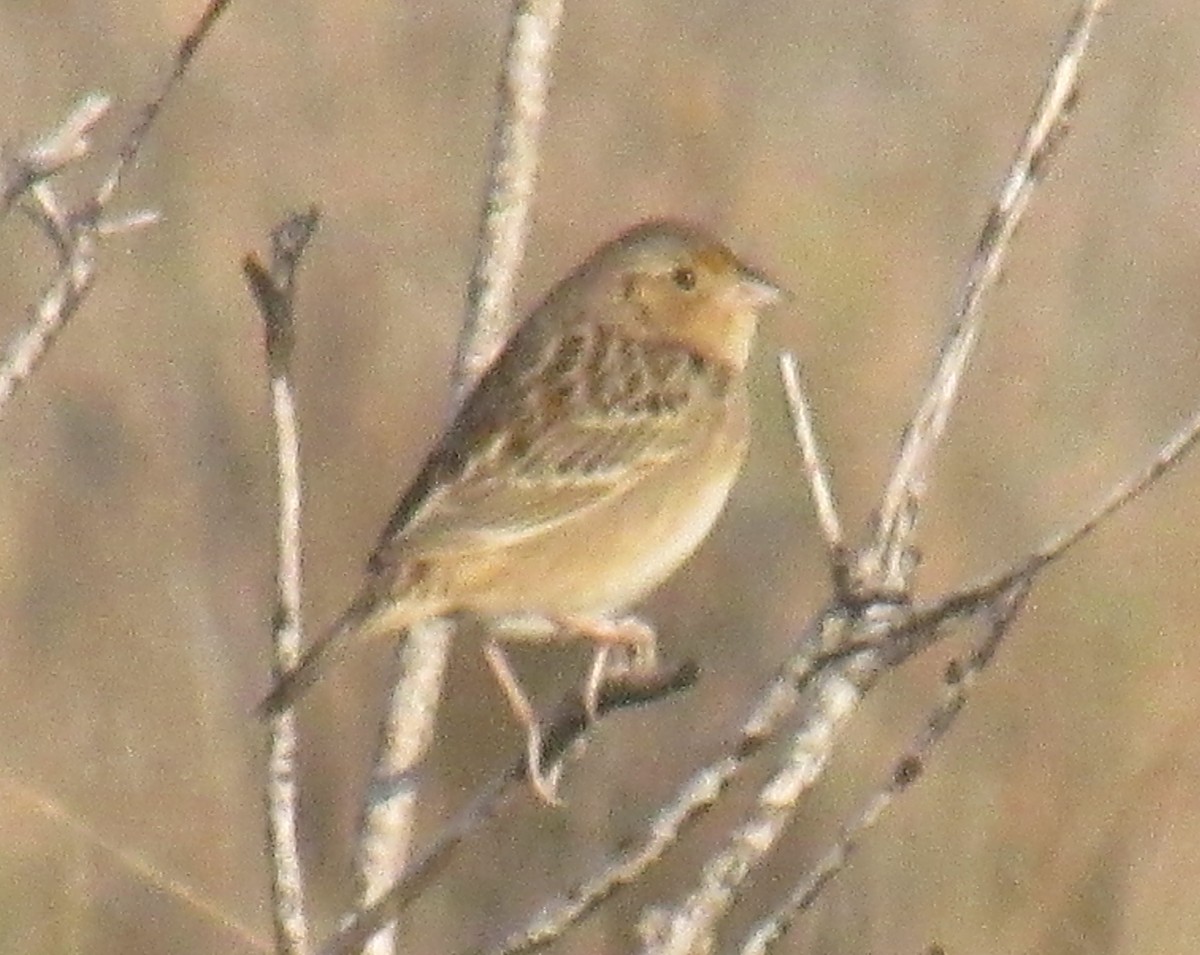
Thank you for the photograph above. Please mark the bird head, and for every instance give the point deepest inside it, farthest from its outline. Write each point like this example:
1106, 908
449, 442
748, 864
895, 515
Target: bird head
675, 283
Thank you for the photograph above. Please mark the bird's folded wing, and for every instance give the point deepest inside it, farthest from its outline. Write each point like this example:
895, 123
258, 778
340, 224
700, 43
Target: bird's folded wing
567, 472
555, 451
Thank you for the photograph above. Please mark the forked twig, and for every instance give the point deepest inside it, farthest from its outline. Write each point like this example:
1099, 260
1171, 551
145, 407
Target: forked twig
79, 228
22, 169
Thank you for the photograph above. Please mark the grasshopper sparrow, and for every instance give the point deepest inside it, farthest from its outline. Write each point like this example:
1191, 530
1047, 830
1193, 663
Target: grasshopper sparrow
590, 461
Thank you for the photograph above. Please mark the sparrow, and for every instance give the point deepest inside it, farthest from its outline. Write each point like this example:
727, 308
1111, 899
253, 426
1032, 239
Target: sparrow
588, 463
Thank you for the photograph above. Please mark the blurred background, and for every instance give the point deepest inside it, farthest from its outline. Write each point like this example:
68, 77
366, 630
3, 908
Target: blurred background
851, 151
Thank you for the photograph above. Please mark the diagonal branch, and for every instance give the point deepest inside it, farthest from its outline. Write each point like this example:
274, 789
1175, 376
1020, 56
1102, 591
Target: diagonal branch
920, 628
816, 473
959, 680
884, 565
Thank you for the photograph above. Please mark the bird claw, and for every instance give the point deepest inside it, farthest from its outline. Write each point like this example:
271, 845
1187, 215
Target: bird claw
544, 783
595, 680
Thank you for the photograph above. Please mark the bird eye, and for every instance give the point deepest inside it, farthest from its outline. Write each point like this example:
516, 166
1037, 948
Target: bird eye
684, 277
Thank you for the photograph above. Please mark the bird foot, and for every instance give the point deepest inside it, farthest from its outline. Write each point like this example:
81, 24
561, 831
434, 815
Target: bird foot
544, 782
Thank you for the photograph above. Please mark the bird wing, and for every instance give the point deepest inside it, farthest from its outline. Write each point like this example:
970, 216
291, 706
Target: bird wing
559, 425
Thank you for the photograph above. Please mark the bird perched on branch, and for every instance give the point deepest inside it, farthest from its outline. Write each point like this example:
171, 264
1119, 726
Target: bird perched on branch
590, 460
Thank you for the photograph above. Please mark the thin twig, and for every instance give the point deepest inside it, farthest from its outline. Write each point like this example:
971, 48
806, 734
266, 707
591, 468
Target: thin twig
80, 227
127, 858
523, 91
815, 471
564, 729
274, 291
184, 54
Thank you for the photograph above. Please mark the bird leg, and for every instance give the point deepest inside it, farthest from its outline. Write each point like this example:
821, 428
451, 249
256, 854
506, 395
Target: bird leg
628, 634
638, 649
543, 783
595, 680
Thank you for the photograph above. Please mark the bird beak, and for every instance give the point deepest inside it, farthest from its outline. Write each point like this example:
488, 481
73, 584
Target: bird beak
757, 291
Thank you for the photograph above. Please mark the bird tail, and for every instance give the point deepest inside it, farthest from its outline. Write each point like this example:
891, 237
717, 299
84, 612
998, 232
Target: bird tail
362, 618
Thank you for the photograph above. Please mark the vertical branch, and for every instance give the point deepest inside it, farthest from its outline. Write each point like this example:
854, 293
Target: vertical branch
390, 809
274, 290
523, 90
389, 813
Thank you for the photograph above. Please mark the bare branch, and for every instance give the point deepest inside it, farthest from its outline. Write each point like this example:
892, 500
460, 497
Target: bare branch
386, 831
699, 793
132, 146
523, 91
67, 291
884, 564
887, 564
274, 292
690, 926
959, 680
920, 628
26, 167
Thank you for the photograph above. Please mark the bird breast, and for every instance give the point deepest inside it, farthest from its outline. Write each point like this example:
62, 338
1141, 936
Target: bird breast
612, 555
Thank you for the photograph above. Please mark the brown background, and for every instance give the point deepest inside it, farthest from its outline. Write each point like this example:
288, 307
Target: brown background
848, 149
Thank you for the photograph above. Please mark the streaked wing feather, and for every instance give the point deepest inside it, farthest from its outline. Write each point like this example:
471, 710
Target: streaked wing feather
530, 451
578, 468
